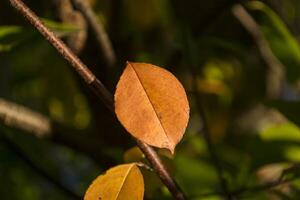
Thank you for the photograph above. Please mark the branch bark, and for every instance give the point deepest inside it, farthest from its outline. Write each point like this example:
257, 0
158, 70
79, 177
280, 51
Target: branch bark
99, 89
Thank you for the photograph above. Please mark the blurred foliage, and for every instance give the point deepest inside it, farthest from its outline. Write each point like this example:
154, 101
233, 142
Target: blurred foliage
277, 34
210, 52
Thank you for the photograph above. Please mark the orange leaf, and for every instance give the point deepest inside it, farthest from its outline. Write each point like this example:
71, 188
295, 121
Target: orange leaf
152, 105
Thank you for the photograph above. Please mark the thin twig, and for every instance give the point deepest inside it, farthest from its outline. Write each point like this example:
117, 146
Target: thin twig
266, 186
97, 27
275, 73
257, 188
37, 169
104, 95
145, 166
25, 119
207, 138
205, 130
12, 114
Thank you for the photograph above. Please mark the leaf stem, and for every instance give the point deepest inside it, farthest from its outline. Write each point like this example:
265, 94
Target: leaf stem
100, 90
161, 170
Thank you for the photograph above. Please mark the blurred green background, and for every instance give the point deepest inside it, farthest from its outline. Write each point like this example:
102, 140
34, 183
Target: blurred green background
246, 80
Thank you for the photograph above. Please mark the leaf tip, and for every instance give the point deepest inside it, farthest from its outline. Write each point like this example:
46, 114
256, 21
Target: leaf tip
171, 148
172, 151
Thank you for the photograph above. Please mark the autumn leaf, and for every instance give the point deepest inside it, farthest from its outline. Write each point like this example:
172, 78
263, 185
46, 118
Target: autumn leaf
152, 105
122, 182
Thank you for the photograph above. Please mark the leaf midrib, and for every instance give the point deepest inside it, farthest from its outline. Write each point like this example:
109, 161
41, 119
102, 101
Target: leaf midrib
140, 81
124, 180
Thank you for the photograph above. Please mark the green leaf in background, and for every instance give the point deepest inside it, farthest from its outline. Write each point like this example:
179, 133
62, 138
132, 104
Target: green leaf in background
213, 197
8, 30
286, 132
5, 32
281, 132
198, 176
281, 40
61, 29
290, 109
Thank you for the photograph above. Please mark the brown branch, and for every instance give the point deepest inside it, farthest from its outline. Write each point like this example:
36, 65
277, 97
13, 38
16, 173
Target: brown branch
161, 170
104, 95
275, 75
97, 27
37, 169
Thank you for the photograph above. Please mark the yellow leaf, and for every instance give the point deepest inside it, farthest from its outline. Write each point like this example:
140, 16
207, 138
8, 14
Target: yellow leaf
122, 182
152, 105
